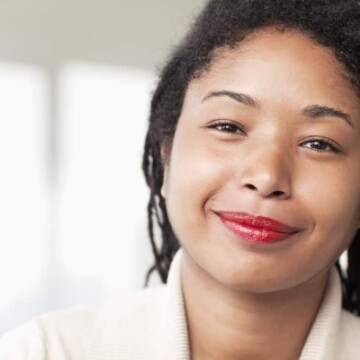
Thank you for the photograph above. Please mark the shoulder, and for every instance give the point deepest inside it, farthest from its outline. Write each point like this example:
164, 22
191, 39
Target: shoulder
127, 325
62, 332
349, 335
67, 334
25, 342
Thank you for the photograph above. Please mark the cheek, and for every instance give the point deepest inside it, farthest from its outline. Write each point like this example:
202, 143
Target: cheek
331, 200
194, 176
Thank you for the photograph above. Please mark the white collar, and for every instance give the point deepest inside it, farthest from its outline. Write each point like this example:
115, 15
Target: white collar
151, 324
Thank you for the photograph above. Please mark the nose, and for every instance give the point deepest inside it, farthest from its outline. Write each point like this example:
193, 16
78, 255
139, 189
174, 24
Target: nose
267, 172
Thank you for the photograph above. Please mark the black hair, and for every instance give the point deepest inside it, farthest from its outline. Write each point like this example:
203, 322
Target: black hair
224, 24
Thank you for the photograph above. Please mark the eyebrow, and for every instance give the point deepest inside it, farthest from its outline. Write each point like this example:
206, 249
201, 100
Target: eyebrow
241, 98
312, 111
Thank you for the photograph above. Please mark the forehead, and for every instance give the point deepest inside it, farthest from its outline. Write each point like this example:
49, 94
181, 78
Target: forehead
289, 64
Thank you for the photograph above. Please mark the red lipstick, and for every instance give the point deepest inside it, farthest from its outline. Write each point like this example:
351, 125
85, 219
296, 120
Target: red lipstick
255, 229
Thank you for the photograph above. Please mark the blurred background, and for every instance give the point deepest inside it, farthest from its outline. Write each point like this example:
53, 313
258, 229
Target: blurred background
75, 84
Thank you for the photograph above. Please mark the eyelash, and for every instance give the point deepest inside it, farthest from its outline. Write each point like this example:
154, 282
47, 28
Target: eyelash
322, 141
327, 143
229, 124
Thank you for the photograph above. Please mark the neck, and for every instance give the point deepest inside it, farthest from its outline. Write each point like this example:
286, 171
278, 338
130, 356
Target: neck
230, 324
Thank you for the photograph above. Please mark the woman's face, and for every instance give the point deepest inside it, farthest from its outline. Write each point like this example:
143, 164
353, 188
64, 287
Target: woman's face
257, 134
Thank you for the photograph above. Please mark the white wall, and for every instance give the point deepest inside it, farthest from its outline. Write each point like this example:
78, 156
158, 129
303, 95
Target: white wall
130, 32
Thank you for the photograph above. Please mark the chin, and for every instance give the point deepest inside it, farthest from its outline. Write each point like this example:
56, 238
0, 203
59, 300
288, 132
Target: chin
259, 281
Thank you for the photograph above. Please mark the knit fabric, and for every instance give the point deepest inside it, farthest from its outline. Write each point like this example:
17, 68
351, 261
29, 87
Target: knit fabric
151, 325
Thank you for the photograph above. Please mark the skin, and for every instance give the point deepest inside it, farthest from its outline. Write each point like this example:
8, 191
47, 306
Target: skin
243, 301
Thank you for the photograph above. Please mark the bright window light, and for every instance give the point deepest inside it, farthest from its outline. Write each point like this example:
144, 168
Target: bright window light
102, 193
23, 181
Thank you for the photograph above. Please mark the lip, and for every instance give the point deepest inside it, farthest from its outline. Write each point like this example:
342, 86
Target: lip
255, 229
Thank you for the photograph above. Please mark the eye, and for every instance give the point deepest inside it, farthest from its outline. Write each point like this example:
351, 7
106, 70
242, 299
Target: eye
227, 127
322, 145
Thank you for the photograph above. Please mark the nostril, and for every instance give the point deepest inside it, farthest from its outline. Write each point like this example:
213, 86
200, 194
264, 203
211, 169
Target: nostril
250, 186
278, 193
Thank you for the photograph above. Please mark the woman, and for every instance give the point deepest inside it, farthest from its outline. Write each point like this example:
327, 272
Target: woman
253, 161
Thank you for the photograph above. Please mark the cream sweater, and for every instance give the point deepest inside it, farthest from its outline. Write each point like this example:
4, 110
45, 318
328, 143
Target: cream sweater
151, 325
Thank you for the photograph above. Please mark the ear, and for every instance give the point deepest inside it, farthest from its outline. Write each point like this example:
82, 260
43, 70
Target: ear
163, 187
164, 160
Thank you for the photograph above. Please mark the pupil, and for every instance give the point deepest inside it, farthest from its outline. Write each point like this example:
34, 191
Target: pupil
319, 145
228, 127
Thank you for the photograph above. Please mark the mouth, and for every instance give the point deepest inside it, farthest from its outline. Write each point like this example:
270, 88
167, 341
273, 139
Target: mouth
255, 229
